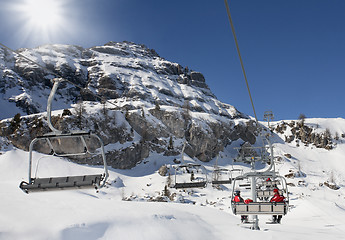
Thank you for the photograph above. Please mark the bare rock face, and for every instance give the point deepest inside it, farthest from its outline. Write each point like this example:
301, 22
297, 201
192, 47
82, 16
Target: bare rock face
136, 132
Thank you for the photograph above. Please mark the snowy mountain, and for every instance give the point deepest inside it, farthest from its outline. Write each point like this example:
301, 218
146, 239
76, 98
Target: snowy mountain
154, 105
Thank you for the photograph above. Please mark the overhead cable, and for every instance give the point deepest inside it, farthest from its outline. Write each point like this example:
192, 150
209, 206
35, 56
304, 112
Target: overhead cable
239, 55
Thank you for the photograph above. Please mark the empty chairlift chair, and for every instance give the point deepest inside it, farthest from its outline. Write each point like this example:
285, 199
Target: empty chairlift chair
190, 176
224, 175
221, 176
77, 144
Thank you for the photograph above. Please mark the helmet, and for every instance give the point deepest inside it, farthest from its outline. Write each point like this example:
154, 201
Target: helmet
276, 190
237, 193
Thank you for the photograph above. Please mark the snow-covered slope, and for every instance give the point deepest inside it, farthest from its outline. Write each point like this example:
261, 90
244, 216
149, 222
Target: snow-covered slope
123, 71
316, 211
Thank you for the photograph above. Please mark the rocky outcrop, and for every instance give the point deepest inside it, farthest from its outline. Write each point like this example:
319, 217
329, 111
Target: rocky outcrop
135, 132
304, 134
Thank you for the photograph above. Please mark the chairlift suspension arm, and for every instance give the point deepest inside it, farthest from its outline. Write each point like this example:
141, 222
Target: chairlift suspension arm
49, 104
103, 157
30, 158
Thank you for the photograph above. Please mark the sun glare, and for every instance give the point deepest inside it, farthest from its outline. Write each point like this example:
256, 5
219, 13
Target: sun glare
41, 21
42, 13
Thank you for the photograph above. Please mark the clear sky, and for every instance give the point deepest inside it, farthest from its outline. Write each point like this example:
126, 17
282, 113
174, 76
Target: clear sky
293, 51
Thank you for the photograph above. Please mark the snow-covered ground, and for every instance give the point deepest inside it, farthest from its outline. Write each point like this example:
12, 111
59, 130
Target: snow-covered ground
316, 211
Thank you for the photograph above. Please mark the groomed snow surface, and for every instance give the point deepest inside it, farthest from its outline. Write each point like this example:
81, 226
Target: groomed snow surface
316, 212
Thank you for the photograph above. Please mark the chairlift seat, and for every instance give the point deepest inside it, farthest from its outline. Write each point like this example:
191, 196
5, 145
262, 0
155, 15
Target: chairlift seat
41, 184
259, 208
222, 181
245, 185
190, 185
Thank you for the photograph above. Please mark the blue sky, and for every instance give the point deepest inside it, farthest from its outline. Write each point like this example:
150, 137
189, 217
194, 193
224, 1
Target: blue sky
293, 51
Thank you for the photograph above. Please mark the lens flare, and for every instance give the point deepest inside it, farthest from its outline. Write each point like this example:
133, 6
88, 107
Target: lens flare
42, 13
40, 21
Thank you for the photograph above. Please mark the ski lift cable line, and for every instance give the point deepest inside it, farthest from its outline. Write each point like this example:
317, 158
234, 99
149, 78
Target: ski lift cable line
56, 74
243, 69
239, 55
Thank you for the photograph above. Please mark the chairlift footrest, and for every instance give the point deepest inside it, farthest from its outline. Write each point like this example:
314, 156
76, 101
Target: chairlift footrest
42, 184
190, 185
222, 182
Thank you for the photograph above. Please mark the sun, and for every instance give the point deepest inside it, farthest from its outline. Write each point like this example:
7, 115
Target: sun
42, 13
40, 21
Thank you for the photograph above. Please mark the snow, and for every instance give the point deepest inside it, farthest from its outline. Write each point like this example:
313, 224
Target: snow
316, 211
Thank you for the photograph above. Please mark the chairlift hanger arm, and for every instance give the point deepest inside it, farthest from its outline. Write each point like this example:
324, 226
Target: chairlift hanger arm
49, 104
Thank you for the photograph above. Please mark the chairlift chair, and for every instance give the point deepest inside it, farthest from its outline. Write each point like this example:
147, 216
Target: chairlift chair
225, 176
190, 175
194, 176
56, 141
221, 176
260, 207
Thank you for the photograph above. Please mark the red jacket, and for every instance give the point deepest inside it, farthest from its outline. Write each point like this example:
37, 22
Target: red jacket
277, 198
238, 199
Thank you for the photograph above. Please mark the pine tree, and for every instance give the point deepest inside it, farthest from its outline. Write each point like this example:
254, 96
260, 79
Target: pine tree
15, 123
171, 143
157, 107
79, 109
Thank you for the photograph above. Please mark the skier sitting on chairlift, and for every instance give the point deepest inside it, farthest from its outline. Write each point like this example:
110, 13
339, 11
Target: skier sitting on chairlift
277, 198
238, 198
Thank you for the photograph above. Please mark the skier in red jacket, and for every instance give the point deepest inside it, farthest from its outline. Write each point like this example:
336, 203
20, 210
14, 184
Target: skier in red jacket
238, 198
277, 198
